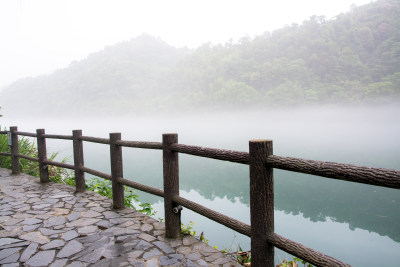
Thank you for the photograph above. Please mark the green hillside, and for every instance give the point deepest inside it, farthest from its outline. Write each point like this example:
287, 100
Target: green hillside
353, 58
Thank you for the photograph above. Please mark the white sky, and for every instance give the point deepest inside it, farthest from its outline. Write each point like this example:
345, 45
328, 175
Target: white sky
39, 36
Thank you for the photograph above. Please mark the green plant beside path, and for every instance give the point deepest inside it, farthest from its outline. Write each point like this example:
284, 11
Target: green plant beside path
104, 188
26, 147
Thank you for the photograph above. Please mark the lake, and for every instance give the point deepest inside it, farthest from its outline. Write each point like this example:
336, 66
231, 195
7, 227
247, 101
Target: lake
355, 223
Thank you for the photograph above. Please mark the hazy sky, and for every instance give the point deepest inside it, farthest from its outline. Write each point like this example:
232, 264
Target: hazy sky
39, 36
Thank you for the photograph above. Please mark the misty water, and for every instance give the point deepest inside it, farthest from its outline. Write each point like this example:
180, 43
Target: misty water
358, 224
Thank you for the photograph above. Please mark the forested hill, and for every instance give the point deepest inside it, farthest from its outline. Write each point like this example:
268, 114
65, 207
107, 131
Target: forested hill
353, 58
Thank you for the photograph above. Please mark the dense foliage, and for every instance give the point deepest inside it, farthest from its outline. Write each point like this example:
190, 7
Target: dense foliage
352, 58
26, 147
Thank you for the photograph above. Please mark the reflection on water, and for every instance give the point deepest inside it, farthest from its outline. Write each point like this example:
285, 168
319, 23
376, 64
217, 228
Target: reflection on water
356, 223
359, 247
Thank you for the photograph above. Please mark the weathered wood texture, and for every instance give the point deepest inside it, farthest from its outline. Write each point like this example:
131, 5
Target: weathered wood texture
171, 186
26, 134
96, 140
221, 154
137, 144
261, 203
59, 164
56, 136
232, 223
314, 257
142, 187
116, 171
42, 156
78, 160
346, 172
27, 157
14, 150
97, 173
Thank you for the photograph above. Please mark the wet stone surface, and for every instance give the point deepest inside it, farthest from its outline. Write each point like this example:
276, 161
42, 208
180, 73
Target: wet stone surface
52, 225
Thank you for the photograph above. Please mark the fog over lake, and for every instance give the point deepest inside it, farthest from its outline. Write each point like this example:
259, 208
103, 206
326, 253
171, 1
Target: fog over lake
358, 224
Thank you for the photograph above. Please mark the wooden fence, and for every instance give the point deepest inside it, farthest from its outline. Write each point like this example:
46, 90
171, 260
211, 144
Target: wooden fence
260, 159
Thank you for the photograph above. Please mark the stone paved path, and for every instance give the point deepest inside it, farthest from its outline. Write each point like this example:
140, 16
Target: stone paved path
51, 225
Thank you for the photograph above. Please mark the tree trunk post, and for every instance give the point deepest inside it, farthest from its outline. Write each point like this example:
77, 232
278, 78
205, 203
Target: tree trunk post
14, 150
42, 156
116, 171
78, 160
261, 203
171, 186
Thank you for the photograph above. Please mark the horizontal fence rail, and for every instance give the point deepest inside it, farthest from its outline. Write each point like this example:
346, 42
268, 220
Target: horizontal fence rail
212, 153
59, 164
234, 224
26, 134
142, 187
56, 136
346, 172
27, 157
96, 140
96, 173
299, 250
260, 160
147, 145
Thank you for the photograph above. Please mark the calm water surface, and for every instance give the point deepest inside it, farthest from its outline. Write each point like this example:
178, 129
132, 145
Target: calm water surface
358, 224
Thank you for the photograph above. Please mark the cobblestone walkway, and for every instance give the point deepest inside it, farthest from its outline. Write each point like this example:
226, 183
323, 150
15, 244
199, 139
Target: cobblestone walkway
51, 225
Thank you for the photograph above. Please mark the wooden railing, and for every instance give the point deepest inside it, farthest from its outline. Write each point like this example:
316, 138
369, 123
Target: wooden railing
260, 158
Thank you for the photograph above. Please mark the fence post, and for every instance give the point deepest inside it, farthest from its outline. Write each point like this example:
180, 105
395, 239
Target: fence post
78, 160
171, 186
14, 150
261, 203
116, 171
42, 156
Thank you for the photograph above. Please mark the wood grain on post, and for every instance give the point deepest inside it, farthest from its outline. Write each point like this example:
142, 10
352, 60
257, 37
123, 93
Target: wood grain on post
171, 186
42, 156
78, 160
261, 203
14, 150
116, 171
